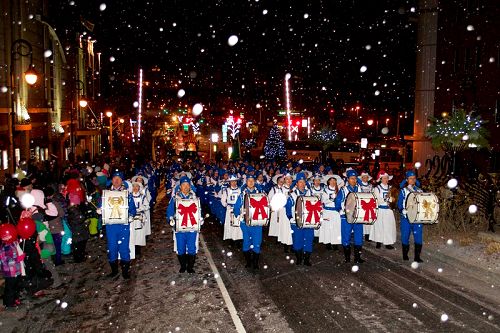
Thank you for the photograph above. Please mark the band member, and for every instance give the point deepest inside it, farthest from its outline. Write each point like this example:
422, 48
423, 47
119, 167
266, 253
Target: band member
285, 229
365, 187
274, 221
228, 199
186, 242
252, 235
348, 228
408, 186
383, 231
330, 231
317, 185
118, 235
303, 238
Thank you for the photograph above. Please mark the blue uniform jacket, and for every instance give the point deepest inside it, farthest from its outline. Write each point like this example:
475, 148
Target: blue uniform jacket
239, 201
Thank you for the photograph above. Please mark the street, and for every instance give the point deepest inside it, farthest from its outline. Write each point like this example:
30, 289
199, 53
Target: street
384, 295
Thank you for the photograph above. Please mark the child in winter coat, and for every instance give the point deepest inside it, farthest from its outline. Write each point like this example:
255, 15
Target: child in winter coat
79, 229
11, 260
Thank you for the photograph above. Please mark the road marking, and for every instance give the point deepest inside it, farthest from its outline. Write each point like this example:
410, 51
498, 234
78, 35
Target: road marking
229, 303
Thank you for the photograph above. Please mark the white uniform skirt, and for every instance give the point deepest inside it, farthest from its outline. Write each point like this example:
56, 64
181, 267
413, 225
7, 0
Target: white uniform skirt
384, 229
231, 232
138, 236
330, 230
274, 227
285, 229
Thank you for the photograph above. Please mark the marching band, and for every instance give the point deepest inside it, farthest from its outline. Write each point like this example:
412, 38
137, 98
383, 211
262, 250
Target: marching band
300, 207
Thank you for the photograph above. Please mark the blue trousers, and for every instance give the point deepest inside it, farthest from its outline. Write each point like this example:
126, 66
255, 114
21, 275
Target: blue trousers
346, 230
186, 242
118, 236
302, 239
408, 228
252, 237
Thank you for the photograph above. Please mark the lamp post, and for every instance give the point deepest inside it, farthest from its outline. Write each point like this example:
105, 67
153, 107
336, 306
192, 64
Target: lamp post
78, 88
109, 114
17, 51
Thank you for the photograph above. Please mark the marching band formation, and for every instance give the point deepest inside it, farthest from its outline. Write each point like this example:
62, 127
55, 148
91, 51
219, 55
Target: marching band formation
295, 206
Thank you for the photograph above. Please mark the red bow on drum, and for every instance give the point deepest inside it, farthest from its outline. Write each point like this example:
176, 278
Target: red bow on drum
187, 211
313, 210
259, 206
369, 208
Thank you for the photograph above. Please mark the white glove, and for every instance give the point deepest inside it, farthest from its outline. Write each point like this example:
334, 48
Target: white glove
99, 211
292, 221
202, 221
404, 212
172, 222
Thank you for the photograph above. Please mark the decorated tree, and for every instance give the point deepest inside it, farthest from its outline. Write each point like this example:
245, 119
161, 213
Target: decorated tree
457, 132
274, 148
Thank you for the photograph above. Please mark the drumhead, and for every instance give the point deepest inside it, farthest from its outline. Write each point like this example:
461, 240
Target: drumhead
299, 212
350, 206
246, 206
412, 207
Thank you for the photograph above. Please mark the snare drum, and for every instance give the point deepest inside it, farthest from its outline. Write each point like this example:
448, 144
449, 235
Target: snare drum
256, 208
308, 212
187, 215
361, 208
422, 208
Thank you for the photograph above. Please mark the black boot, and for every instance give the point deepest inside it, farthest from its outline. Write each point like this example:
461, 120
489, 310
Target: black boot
406, 249
347, 254
367, 238
125, 269
182, 262
255, 261
307, 258
389, 247
335, 247
329, 247
114, 269
190, 266
418, 249
357, 255
299, 255
248, 258
379, 245
286, 248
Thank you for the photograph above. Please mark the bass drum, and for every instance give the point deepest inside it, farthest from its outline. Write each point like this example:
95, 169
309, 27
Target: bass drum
256, 208
361, 208
422, 208
308, 212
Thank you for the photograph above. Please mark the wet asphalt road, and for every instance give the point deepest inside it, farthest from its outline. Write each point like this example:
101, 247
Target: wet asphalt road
384, 295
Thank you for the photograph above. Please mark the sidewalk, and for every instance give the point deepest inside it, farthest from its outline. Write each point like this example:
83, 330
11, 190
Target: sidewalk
469, 267
156, 299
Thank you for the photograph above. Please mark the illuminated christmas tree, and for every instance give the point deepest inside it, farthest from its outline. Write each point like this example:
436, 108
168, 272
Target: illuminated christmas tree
274, 148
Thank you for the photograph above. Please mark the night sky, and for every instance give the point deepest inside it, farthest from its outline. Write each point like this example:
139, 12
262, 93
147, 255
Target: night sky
323, 44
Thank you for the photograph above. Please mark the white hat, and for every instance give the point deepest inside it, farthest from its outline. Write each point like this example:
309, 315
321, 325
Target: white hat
364, 174
233, 178
144, 179
340, 182
382, 173
277, 177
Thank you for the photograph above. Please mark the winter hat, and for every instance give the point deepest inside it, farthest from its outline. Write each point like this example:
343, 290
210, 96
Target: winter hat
74, 199
39, 198
25, 182
410, 173
301, 176
118, 174
141, 187
351, 173
381, 174
184, 179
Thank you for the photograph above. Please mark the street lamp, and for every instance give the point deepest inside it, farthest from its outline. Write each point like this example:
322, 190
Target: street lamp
17, 51
370, 122
83, 103
109, 114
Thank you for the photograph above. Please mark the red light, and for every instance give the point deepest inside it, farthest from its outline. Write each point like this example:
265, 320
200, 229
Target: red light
297, 122
332, 111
